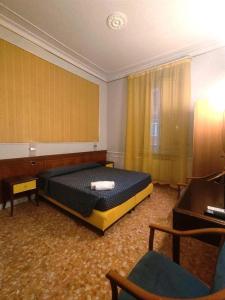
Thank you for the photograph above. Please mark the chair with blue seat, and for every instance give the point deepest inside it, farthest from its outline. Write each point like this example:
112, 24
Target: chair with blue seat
157, 277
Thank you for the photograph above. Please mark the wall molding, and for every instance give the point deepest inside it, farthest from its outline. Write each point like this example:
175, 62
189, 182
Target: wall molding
24, 28
15, 23
192, 51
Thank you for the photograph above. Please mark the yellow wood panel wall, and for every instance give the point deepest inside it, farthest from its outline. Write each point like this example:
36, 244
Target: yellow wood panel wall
42, 102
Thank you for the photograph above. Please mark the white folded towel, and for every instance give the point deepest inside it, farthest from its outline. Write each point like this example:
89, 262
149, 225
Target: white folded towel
102, 185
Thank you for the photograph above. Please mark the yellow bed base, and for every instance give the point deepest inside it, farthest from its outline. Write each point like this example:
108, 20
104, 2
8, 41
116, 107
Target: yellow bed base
103, 219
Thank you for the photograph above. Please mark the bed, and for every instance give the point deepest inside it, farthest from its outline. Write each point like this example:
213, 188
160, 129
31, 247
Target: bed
69, 187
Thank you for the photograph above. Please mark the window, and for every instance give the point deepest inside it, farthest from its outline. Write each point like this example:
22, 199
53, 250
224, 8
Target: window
155, 124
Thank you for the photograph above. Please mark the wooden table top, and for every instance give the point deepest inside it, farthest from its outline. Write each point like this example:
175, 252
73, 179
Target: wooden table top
19, 179
200, 193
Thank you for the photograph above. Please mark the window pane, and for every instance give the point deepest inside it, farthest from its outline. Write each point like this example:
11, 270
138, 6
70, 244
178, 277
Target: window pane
155, 125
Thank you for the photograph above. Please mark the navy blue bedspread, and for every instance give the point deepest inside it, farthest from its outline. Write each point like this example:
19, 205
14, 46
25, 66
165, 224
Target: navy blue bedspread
73, 189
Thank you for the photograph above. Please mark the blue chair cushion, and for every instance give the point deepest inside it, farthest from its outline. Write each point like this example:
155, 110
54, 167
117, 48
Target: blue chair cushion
219, 279
158, 274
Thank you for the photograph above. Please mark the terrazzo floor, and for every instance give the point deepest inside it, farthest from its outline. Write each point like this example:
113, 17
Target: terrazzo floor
46, 254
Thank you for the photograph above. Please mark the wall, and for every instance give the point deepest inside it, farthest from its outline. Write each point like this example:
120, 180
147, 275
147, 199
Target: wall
208, 83
117, 92
207, 70
11, 150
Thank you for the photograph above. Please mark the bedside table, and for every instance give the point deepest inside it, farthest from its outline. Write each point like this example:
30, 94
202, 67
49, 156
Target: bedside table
15, 187
107, 163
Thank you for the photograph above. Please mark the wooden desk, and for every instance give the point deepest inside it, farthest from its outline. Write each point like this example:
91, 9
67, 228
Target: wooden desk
15, 187
189, 213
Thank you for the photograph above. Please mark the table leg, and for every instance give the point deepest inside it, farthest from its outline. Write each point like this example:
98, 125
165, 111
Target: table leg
37, 197
28, 196
11, 201
3, 204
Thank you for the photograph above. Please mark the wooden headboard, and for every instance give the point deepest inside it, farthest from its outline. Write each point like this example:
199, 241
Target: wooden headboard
33, 165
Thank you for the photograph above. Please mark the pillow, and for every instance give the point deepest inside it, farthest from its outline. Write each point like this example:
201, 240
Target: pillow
67, 169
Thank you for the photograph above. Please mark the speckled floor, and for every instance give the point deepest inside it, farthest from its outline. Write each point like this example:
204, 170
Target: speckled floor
45, 254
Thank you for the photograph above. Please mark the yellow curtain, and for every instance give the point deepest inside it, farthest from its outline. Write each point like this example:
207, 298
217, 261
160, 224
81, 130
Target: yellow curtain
159, 109
138, 143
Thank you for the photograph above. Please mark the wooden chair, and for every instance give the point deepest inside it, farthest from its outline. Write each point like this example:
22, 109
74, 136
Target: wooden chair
209, 177
157, 277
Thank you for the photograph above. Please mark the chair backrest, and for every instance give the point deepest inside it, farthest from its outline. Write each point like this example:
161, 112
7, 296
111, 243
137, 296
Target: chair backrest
219, 279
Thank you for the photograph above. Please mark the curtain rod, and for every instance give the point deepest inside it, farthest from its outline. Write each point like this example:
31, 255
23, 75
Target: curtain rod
168, 62
153, 67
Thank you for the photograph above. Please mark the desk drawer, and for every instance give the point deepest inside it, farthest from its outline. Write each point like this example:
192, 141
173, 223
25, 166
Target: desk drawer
24, 186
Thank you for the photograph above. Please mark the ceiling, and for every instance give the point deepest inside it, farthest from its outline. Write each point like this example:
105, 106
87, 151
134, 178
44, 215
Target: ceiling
157, 30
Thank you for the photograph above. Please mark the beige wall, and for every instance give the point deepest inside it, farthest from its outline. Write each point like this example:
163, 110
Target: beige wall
207, 70
117, 91
208, 83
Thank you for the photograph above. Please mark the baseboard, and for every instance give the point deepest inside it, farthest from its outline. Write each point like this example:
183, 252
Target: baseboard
16, 201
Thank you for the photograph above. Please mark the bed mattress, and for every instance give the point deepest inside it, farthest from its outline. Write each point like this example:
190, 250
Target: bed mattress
73, 189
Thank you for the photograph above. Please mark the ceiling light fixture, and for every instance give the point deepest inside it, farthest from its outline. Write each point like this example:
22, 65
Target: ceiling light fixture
117, 20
